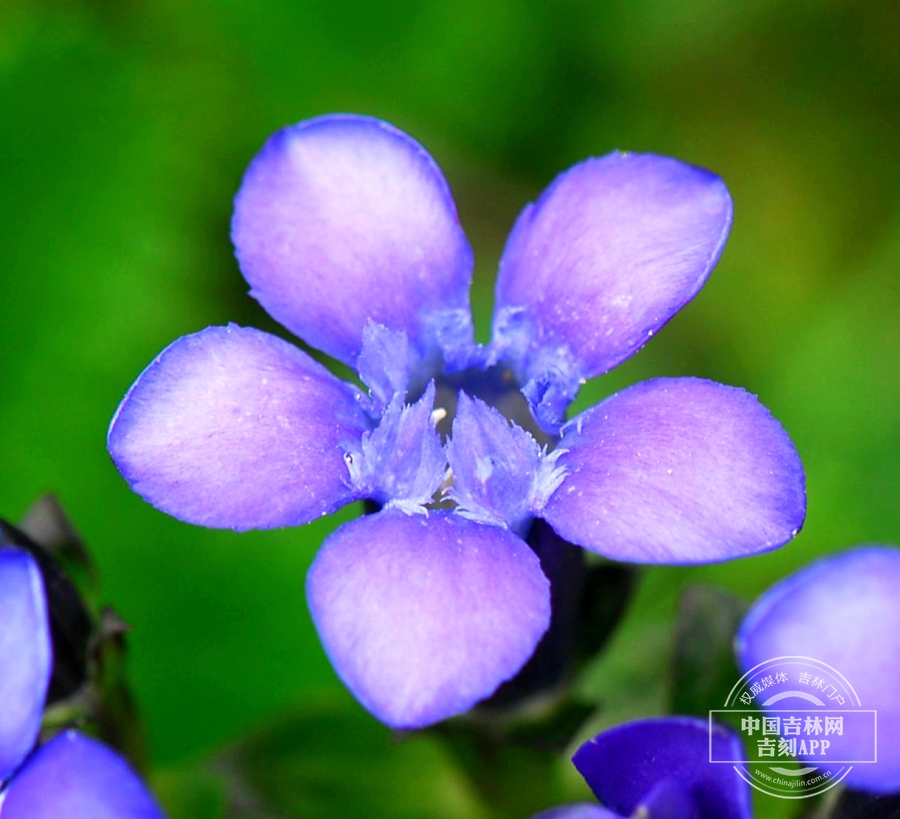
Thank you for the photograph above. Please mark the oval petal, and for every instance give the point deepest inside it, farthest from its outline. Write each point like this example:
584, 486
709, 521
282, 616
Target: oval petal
678, 470
234, 428
343, 219
844, 611
604, 258
423, 616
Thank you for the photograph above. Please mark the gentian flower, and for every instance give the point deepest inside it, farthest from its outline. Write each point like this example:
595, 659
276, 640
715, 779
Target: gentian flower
660, 769
347, 233
842, 610
71, 776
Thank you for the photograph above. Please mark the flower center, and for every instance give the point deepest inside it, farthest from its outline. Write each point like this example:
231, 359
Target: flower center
467, 441
496, 387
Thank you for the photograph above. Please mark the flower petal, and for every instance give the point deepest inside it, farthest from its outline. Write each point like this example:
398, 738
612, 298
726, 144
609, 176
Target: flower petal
235, 428
343, 219
650, 761
73, 777
383, 365
678, 470
423, 616
668, 799
26, 657
577, 811
608, 254
843, 611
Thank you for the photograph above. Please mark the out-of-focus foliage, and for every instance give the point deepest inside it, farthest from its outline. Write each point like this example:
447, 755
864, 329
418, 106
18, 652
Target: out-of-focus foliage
126, 126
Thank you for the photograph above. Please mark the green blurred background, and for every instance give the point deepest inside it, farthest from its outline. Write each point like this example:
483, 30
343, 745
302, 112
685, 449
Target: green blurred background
126, 126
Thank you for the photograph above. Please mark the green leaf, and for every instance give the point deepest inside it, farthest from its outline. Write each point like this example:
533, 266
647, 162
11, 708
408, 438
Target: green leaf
333, 760
191, 793
519, 761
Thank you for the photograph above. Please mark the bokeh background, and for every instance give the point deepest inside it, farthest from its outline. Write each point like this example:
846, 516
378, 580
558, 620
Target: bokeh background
125, 126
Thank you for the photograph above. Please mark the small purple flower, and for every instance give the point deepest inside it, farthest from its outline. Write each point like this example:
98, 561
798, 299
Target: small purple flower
347, 233
842, 610
71, 776
660, 768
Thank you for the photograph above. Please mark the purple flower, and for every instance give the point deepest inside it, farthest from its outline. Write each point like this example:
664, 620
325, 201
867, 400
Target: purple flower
660, 768
347, 233
843, 610
70, 777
